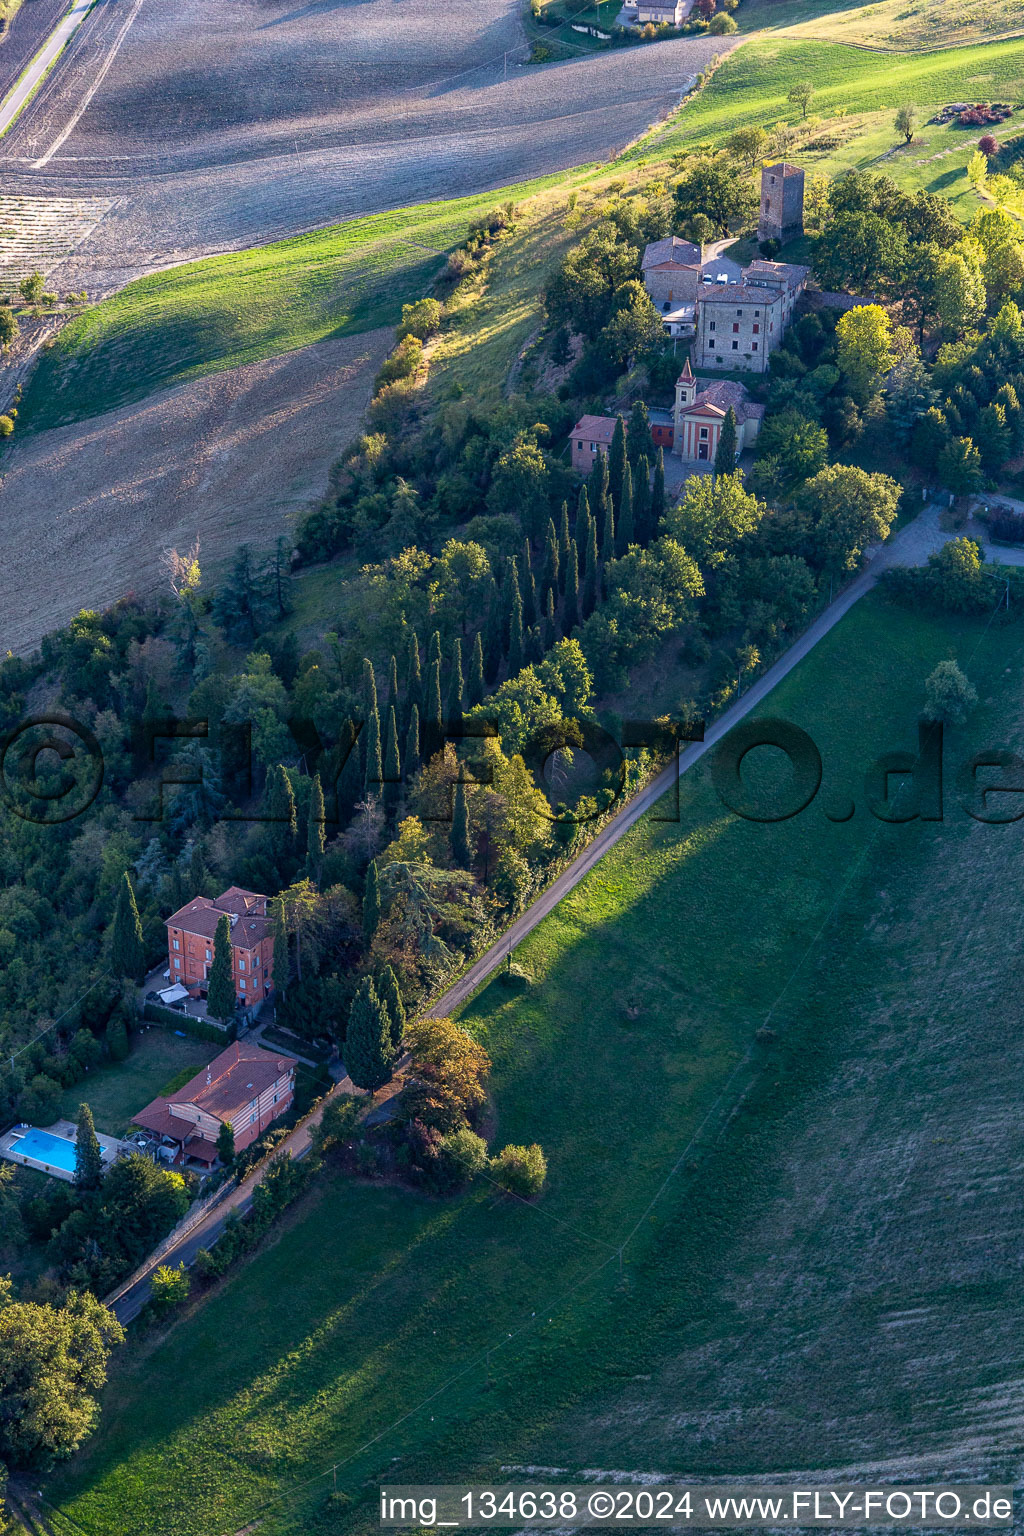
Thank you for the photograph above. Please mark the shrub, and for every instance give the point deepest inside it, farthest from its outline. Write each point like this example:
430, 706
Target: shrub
988, 146
420, 320
520, 1170
170, 1288
6, 426
1006, 526
722, 25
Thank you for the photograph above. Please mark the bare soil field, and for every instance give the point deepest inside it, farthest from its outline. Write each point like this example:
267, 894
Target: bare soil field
88, 508
230, 123
33, 21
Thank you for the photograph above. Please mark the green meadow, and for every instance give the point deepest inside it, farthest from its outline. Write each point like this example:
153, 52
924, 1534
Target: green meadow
395, 1336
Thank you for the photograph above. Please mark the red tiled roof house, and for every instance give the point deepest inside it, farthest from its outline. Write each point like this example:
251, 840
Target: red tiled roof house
244, 1086
590, 436
191, 932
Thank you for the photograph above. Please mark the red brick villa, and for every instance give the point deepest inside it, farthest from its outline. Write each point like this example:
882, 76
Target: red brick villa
190, 936
244, 1086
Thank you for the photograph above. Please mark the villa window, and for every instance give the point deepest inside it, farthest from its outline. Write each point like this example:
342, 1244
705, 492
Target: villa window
754, 345
756, 328
579, 447
739, 312
177, 945
177, 964
241, 965
711, 325
242, 984
735, 326
711, 345
703, 431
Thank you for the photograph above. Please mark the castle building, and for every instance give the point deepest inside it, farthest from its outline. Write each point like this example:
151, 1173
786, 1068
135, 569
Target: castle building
782, 202
698, 417
739, 325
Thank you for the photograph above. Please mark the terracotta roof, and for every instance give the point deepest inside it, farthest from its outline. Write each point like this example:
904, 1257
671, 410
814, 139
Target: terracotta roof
599, 429
222, 1089
790, 275
201, 916
716, 399
687, 372
737, 293
673, 252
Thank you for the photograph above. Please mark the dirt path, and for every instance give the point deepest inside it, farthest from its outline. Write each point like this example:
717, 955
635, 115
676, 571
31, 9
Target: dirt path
235, 456
16, 99
912, 546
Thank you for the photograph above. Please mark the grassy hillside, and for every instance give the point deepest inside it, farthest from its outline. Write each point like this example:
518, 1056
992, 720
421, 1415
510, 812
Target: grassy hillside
209, 315
752, 86
366, 1334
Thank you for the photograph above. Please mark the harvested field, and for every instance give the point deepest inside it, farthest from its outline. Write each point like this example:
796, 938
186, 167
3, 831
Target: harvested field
311, 114
33, 21
38, 233
89, 508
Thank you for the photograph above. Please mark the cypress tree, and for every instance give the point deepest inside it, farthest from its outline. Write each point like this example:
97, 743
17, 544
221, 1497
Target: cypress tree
374, 775
533, 647
220, 985
368, 1048
642, 501
625, 534
315, 829
279, 803
456, 684
461, 851
515, 632
413, 675
617, 462
434, 648
197, 872
476, 685
657, 511
638, 433
494, 640
369, 692
433, 729
371, 903
596, 487
582, 519
552, 563
88, 1157
608, 536
393, 683
530, 605
226, 1143
725, 453
280, 974
392, 760
390, 995
412, 743
350, 780
588, 600
127, 950
550, 627
563, 544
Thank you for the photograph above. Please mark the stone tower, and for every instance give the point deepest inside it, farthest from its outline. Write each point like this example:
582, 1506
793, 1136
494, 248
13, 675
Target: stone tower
782, 202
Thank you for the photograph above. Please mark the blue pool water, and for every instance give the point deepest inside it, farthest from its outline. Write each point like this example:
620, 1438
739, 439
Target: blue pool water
46, 1149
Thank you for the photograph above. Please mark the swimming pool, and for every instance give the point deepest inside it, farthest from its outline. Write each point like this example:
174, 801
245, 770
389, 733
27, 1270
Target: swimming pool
46, 1148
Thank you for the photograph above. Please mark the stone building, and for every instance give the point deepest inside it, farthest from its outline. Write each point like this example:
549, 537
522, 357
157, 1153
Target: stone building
782, 202
739, 325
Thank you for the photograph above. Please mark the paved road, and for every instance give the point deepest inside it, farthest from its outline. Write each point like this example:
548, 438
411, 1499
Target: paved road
131, 1301
911, 546
25, 88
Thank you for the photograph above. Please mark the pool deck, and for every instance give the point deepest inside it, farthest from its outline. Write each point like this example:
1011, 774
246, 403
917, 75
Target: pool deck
110, 1146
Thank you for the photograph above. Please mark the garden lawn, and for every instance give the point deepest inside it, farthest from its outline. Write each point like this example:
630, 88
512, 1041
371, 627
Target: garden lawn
890, 24
238, 308
422, 1340
158, 1062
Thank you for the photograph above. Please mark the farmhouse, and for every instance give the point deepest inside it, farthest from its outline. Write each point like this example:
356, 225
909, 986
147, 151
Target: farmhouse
662, 12
191, 932
698, 417
739, 325
244, 1087
590, 436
